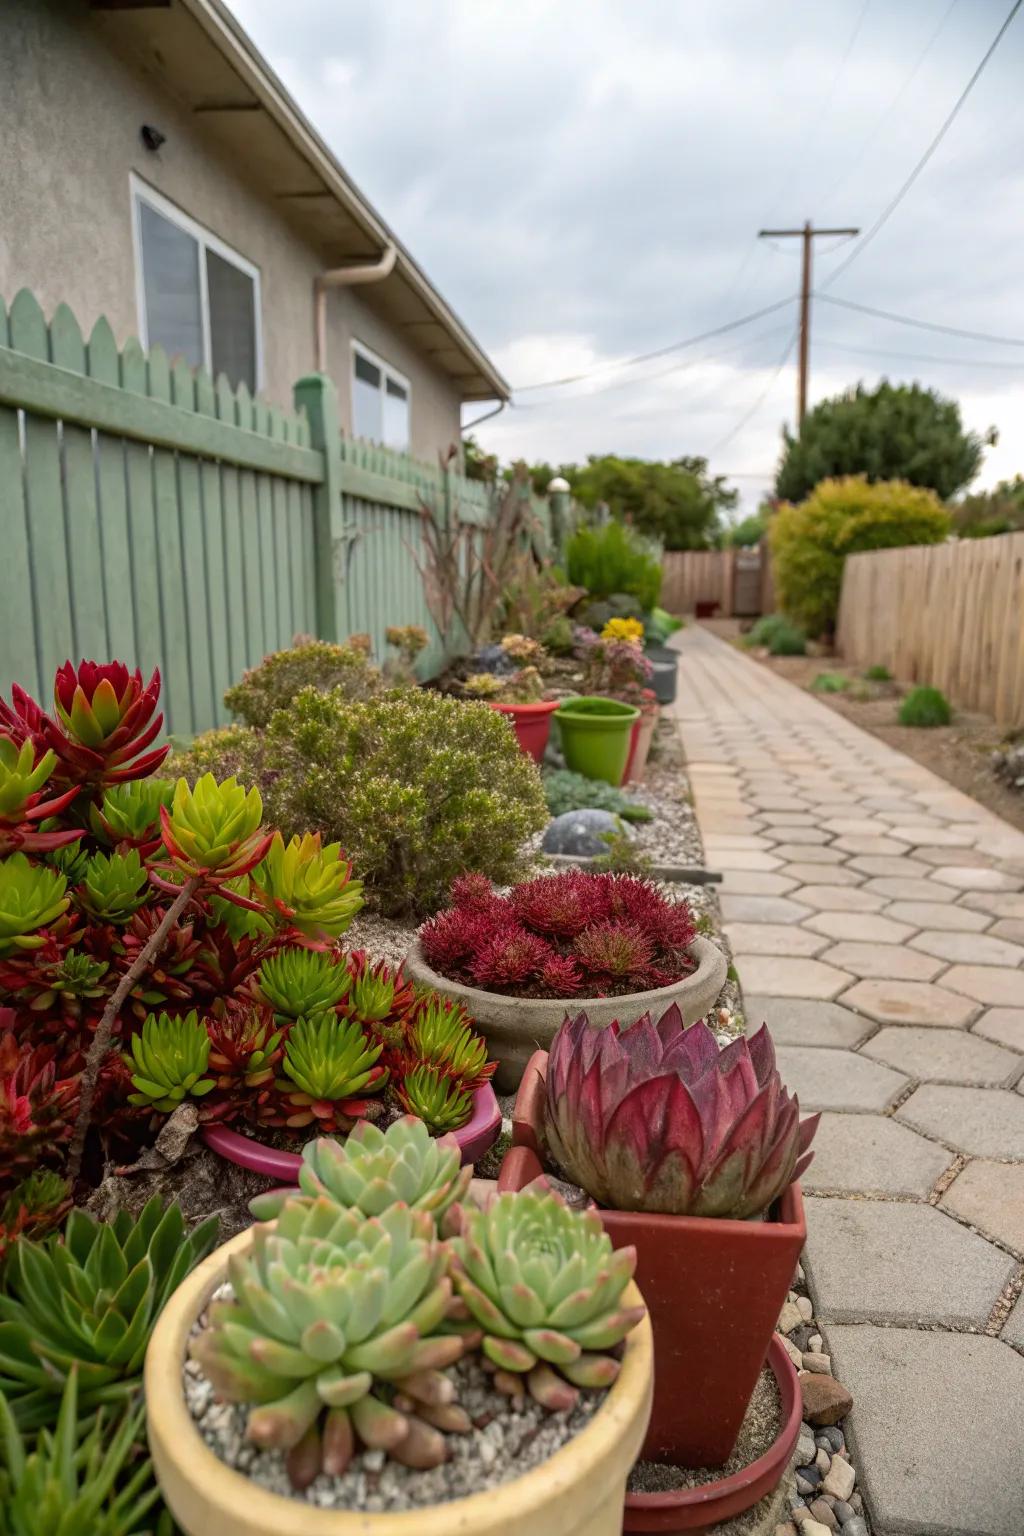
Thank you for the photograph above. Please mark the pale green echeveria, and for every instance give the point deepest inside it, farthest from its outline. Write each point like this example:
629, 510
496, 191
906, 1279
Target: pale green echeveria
373, 1170
334, 1336
545, 1285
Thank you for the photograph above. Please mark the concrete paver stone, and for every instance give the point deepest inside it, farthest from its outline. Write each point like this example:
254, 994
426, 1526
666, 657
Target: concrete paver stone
910, 1002
898, 889
873, 1155
780, 976
805, 1021
1004, 1025
988, 1122
991, 1197
944, 1056
839, 898
892, 962
761, 909
774, 939
967, 879
998, 985
936, 917
821, 874
859, 927
969, 948
825, 1078
752, 882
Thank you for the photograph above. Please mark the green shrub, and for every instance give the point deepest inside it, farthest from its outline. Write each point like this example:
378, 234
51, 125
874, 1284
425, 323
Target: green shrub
925, 707
811, 540
417, 788
830, 682
595, 614
878, 674
614, 559
659, 625
568, 791
787, 640
316, 663
762, 631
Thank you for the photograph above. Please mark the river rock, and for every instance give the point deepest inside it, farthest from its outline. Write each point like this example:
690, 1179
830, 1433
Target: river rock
826, 1401
823, 1512
792, 1351
840, 1479
789, 1317
812, 1361
581, 833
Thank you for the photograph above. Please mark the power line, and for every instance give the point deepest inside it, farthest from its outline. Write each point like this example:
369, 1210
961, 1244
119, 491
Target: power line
646, 357
894, 202
762, 397
922, 325
922, 357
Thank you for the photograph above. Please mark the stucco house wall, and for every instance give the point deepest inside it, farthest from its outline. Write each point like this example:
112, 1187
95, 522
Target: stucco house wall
70, 114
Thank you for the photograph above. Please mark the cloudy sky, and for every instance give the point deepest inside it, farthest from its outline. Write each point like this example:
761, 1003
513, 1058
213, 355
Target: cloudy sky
584, 181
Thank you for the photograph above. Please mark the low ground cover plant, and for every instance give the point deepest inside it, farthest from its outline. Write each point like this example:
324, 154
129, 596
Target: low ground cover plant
926, 707
830, 682
568, 935
568, 791
787, 640
878, 674
419, 786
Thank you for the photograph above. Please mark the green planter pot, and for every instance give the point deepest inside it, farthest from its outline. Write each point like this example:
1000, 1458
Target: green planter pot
596, 735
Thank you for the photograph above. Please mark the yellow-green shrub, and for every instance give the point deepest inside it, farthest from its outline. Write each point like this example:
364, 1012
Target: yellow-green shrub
810, 540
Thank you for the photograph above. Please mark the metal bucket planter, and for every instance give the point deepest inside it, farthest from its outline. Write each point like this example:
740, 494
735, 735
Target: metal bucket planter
665, 675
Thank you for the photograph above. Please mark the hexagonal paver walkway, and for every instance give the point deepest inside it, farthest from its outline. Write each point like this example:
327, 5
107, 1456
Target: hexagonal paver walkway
876, 918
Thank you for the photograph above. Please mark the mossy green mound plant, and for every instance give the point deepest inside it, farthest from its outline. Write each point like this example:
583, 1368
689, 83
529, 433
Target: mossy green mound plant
567, 791
776, 634
877, 674
925, 707
830, 682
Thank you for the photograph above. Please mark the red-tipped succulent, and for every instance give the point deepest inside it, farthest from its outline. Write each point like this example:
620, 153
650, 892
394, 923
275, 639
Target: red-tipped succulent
654, 1117
106, 718
24, 802
37, 1108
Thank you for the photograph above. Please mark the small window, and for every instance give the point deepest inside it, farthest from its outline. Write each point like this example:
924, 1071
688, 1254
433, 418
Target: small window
197, 298
380, 401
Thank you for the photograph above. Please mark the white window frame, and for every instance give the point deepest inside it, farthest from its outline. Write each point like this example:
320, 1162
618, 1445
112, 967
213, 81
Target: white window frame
142, 192
387, 371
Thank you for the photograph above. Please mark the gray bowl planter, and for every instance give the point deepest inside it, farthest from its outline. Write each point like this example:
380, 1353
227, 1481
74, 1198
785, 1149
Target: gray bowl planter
515, 1027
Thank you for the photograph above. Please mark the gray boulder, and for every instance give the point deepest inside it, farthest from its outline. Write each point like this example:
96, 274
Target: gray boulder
580, 833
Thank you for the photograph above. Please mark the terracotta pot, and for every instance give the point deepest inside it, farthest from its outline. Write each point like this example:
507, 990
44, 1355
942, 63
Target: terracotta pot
531, 723
577, 1492
475, 1138
640, 747
714, 1288
516, 1026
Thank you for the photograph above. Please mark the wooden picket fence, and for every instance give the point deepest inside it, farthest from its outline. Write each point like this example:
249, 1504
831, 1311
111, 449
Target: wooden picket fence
151, 513
737, 581
947, 615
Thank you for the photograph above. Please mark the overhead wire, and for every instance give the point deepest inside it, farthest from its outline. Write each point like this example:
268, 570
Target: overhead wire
922, 325
919, 357
894, 202
762, 397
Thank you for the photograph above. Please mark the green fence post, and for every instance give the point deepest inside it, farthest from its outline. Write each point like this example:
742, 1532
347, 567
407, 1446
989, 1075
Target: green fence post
316, 395
560, 512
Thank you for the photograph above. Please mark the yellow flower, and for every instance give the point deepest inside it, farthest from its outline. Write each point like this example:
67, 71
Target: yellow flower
623, 629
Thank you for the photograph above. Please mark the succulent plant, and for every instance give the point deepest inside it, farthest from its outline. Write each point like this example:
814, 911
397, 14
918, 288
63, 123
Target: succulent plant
168, 977
85, 1478
327, 1062
167, 1060
441, 1102
33, 1208
213, 830
379, 992
245, 1046
545, 1285
23, 775
440, 1036
37, 1107
333, 1314
107, 715
655, 1117
309, 886
91, 1298
114, 886
31, 896
374, 1169
68, 982
130, 813
299, 981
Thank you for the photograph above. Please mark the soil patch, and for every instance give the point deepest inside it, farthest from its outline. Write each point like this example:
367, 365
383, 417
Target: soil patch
959, 753
761, 1427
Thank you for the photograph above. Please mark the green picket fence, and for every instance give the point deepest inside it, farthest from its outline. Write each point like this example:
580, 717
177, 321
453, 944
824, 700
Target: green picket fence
151, 513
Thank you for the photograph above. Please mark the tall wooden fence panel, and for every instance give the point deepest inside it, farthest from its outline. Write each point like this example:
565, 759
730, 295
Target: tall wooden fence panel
948, 615
152, 514
736, 580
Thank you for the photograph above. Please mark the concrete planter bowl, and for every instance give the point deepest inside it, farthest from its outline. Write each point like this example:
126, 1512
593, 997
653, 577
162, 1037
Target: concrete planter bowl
515, 1027
577, 1492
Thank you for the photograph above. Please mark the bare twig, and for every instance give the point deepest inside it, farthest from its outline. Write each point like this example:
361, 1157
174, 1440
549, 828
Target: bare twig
105, 1029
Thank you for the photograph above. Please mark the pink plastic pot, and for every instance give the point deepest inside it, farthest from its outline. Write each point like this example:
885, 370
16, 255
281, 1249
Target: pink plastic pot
640, 745
475, 1138
531, 723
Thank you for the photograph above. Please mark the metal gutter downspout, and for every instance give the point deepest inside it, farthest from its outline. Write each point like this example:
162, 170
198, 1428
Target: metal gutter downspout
344, 277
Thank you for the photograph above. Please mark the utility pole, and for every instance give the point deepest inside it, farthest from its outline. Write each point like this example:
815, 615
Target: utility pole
807, 235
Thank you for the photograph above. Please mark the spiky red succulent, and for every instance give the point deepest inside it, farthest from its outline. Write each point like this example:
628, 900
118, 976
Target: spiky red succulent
655, 1117
246, 1046
106, 718
473, 892
37, 1107
575, 934
25, 799
169, 978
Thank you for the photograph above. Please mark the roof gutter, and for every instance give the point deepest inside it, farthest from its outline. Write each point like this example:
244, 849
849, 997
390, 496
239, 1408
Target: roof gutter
345, 277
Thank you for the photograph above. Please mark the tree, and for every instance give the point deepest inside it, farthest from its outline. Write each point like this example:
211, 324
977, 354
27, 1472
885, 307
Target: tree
1000, 510
894, 432
677, 502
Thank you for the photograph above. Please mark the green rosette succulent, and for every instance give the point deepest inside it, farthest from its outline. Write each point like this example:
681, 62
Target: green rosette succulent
545, 1285
439, 1101
327, 1059
70, 980
213, 830
309, 885
296, 982
440, 1036
373, 1169
114, 887
167, 1059
90, 1298
334, 1336
31, 896
130, 813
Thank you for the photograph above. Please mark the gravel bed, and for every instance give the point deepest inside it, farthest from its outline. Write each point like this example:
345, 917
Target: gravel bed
507, 1440
758, 1432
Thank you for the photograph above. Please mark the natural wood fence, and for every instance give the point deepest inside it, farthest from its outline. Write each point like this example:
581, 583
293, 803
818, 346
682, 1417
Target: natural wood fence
948, 615
736, 581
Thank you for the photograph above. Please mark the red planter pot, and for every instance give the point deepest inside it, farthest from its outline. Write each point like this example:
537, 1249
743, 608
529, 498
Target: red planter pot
714, 1289
475, 1138
531, 723
640, 744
